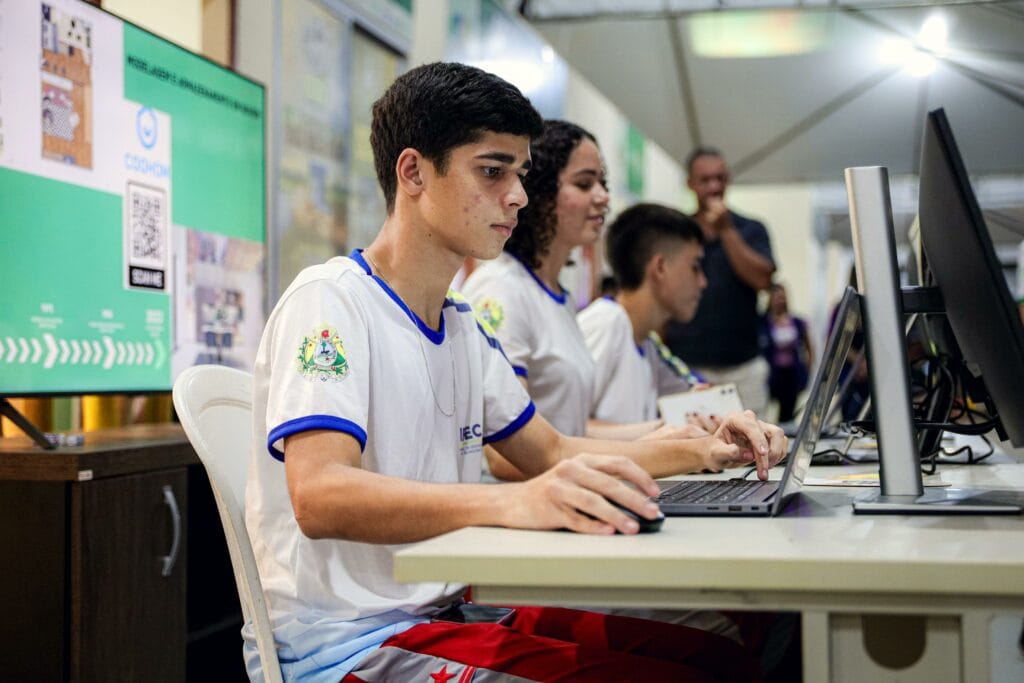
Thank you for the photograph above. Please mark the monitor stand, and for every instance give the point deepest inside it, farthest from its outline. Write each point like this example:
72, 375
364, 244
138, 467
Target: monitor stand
11, 413
940, 501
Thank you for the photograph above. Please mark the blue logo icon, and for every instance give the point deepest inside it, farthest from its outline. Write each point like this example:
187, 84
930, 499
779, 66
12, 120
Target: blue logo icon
145, 127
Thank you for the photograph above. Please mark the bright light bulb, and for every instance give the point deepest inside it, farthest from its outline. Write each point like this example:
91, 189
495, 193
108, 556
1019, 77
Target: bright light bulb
547, 54
934, 34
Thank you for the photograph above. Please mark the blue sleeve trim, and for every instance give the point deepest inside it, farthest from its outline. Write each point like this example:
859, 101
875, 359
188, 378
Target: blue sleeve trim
516, 425
310, 422
521, 372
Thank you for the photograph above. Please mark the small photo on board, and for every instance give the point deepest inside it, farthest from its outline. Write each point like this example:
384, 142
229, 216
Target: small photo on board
65, 73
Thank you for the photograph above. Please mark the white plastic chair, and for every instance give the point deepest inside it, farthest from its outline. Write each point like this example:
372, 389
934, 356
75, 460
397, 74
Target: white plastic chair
214, 404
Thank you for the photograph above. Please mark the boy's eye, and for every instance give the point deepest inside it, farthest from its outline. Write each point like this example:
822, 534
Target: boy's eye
492, 171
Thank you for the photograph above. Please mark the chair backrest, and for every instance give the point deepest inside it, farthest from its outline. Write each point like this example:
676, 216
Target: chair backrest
214, 404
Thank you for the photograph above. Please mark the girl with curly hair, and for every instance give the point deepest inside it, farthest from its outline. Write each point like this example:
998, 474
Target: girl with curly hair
519, 293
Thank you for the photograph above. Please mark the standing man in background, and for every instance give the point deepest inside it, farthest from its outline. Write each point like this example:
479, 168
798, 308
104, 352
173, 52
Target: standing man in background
721, 342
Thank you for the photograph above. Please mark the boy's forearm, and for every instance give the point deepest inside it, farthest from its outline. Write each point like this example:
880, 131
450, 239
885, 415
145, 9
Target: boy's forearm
603, 429
660, 458
358, 505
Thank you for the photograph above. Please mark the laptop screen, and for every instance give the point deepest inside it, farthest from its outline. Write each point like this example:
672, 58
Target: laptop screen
820, 396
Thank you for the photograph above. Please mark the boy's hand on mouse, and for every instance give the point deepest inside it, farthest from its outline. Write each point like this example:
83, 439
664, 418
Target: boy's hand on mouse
742, 439
576, 494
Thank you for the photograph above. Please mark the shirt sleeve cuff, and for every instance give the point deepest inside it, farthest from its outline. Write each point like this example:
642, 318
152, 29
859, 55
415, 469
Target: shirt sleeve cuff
514, 426
310, 422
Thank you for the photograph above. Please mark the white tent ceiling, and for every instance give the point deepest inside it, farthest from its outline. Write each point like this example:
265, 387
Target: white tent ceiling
798, 91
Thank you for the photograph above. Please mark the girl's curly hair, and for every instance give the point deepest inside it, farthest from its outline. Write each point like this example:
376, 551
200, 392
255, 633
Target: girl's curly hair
550, 153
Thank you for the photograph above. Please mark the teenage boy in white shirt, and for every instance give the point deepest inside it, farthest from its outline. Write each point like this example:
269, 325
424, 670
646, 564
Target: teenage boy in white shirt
656, 254
374, 392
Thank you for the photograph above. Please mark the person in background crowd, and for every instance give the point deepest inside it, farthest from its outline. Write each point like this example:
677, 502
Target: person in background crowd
787, 348
721, 342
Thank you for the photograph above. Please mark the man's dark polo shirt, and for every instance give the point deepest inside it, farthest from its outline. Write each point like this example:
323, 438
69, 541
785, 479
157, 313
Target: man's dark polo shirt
724, 331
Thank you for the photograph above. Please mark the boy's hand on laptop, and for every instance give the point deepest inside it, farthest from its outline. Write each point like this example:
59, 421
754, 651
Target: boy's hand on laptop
575, 494
742, 439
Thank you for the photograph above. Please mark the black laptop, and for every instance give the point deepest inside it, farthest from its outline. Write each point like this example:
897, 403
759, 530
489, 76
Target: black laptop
755, 498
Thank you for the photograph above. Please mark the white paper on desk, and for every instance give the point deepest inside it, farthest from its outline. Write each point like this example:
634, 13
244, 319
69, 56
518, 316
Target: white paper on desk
719, 400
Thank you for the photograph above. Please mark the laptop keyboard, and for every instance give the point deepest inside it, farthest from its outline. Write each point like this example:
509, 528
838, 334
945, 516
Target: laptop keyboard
728, 491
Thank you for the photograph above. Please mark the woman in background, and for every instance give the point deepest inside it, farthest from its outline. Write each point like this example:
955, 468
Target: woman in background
787, 347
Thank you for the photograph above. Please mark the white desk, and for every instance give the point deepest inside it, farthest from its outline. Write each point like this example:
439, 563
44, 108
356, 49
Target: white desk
947, 575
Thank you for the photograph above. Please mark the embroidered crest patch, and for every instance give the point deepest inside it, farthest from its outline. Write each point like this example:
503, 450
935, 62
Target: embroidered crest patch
322, 356
491, 312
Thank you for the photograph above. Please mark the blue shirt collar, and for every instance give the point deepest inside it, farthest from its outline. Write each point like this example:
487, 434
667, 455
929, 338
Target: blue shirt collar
435, 336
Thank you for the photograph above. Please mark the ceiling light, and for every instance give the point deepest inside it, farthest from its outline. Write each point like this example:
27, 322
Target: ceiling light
934, 35
918, 58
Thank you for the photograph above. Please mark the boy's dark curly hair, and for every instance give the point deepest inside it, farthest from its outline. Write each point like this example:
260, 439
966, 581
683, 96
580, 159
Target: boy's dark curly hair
437, 107
550, 153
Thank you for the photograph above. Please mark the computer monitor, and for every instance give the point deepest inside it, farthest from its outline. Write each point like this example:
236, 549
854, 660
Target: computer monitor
960, 257
132, 207
878, 282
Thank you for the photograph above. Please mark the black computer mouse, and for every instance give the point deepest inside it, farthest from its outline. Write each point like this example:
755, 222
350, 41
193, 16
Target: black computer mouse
647, 526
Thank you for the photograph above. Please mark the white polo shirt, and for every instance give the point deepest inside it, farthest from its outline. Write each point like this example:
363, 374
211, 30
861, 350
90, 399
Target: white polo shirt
537, 328
341, 351
629, 378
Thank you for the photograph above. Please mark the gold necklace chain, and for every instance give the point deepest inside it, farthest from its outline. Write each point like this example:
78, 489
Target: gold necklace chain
423, 352
430, 381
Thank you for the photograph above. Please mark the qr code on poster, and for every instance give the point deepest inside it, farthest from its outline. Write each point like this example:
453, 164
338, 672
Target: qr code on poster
146, 225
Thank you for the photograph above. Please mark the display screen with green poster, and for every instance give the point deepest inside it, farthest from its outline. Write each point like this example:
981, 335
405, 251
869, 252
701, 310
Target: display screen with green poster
131, 205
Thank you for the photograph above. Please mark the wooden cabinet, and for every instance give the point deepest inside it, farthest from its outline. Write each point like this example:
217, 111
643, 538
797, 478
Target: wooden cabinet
106, 572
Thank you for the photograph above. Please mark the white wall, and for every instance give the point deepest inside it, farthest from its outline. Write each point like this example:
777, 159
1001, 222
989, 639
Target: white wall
429, 31
587, 107
787, 212
664, 178
180, 21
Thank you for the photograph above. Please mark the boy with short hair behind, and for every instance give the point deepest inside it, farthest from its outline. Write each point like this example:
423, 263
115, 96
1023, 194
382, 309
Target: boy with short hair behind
656, 257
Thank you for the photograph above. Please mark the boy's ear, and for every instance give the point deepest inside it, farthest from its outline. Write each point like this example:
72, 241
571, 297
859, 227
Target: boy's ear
656, 266
410, 169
